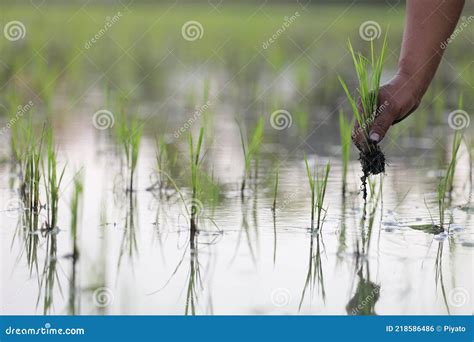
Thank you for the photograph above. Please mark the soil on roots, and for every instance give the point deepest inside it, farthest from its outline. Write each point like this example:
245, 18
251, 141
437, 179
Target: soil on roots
373, 163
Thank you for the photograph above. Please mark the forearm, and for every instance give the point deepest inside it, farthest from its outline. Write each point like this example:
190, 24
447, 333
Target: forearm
429, 23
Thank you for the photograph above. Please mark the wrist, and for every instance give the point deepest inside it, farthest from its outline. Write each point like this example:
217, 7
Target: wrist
411, 82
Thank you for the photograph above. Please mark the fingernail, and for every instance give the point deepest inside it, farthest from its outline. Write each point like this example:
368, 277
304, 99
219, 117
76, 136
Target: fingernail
374, 137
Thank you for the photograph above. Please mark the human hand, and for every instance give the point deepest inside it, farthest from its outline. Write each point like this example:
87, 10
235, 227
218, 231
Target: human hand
397, 99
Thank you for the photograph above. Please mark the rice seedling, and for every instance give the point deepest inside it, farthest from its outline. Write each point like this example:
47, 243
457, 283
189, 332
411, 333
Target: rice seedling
317, 184
251, 151
75, 210
195, 159
52, 184
22, 133
212, 194
31, 200
29, 161
129, 136
345, 129
446, 182
165, 161
161, 160
275, 191
445, 185
369, 72
458, 137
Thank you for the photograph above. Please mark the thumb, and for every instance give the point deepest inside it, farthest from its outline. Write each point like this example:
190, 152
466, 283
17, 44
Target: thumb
380, 126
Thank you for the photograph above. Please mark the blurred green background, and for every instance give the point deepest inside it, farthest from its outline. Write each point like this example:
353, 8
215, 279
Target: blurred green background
143, 55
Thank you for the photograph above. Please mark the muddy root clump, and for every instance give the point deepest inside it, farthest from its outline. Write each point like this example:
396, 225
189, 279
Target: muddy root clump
373, 163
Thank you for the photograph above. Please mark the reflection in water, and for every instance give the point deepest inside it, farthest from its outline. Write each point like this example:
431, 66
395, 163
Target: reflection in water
366, 293
274, 237
244, 225
49, 275
314, 276
194, 278
29, 204
342, 244
439, 280
129, 239
367, 222
74, 300
99, 268
247, 230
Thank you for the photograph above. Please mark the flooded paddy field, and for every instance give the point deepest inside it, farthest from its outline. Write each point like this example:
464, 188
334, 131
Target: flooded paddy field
152, 168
